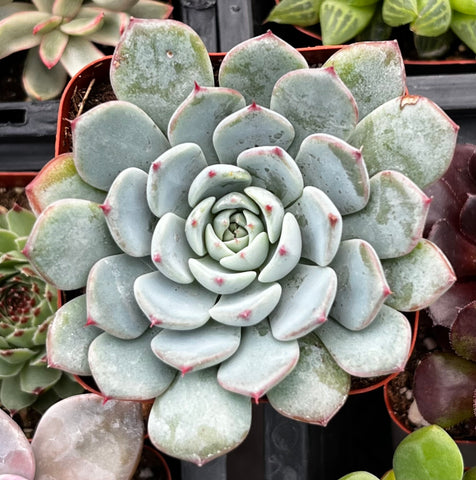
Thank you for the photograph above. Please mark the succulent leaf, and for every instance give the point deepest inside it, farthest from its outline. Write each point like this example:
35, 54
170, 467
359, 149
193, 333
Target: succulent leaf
338, 169
111, 304
463, 333
52, 47
68, 434
380, 349
383, 138
318, 397
212, 421
124, 124
250, 373
362, 284
434, 18
123, 374
87, 23
22, 462
399, 12
78, 53
197, 223
59, 179
161, 77
69, 338
360, 476
302, 308
464, 26
269, 57
250, 127
113, 24
197, 117
308, 109
81, 219
394, 217
379, 63
165, 303
13, 397
36, 379
418, 278
303, 13
216, 343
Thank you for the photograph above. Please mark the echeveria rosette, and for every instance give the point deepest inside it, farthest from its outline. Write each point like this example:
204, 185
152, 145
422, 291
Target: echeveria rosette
62, 36
27, 306
256, 247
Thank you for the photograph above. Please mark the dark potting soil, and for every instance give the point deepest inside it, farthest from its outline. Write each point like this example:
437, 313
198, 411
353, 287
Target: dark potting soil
400, 389
10, 196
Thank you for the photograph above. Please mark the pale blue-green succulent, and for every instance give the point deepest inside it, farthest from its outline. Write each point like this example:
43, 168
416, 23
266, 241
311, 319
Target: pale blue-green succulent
260, 237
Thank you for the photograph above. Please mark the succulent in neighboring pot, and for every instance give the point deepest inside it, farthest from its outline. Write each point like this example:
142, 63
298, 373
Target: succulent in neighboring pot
27, 305
62, 35
433, 23
264, 247
78, 438
445, 379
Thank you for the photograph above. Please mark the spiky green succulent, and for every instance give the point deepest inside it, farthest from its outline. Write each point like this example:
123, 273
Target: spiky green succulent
255, 238
433, 23
27, 306
63, 36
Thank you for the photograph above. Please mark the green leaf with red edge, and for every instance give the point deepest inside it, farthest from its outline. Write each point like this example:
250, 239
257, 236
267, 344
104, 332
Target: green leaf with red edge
463, 332
443, 387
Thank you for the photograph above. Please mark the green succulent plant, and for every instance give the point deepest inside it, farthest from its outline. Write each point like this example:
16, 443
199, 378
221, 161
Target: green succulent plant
260, 237
432, 22
27, 305
61, 36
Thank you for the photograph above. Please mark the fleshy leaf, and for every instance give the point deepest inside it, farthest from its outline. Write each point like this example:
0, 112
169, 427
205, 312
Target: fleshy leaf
12, 397
273, 169
464, 26
393, 219
170, 177
362, 284
197, 420
86, 24
81, 434
252, 305
17, 454
268, 57
335, 167
250, 257
69, 338
308, 107
463, 332
128, 217
170, 249
428, 452
78, 53
110, 295
197, 224
155, 64
399, 12
373, 71
36, 379
251, 373
52, 46
467, 224
197, 117
54, 247
360, 476
418, 278
434, 18
181, 307
320, 223
383, 138
121, 373
308, 293
315, 390
380, 349
59, 179
113, 24
253, 126
303, 13
124, 125
196, 349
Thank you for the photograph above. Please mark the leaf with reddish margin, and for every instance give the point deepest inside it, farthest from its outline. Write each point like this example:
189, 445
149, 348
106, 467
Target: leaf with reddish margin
445, 310
467, 217
472, 163
444, 204
463, 332
443, 387
460, 252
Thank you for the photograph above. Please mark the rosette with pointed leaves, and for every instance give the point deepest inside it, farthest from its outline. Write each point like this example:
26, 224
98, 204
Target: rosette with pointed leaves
433, 23
255, 236
27, 305
61, 36
445, 380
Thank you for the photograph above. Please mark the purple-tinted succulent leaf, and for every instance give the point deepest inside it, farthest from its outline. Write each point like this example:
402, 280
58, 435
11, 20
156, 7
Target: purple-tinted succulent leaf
460, 252
81, 437
472, 161
445, 310
463, 332
15, 450
467, 218
315, 390
444, 204
443, 387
